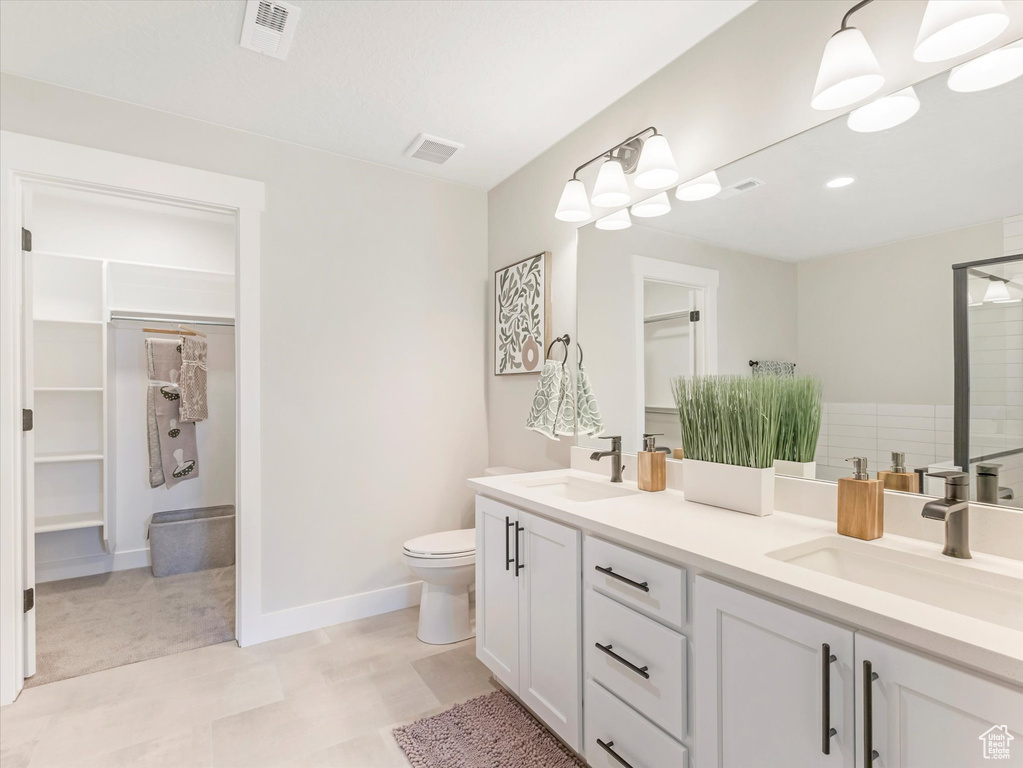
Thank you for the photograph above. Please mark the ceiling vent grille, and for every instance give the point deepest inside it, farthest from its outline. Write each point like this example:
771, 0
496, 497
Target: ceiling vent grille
432, 148
739, 187
269, 26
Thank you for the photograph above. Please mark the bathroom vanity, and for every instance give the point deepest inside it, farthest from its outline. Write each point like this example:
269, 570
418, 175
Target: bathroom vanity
647, 631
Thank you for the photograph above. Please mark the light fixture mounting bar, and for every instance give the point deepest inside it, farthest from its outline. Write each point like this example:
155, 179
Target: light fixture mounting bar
634, 153
851, 11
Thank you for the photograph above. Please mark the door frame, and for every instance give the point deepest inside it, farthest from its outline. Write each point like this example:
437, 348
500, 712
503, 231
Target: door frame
27, 159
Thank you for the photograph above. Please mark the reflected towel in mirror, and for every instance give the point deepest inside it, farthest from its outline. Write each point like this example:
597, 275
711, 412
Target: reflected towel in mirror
588, 419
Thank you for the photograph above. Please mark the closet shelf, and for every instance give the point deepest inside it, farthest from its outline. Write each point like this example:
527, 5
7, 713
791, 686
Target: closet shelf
127, 263
69, 389
61, 458
68, 522
65, 321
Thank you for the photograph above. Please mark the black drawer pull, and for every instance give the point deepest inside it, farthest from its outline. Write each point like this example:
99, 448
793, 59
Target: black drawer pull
641, 671
606, 746
507, 544
827, 732
869, 753
640, 585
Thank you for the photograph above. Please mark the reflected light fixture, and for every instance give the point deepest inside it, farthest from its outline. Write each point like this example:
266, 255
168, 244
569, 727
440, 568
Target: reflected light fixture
617, 220
657, 168
990, 70
611, 189
658, 205
699, 188
839, 181
573, 205
849, 71
885, 112
997, 292
951, 28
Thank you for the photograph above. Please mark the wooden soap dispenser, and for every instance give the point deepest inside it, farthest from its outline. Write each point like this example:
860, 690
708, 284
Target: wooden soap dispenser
651, 464
897, 478
860, 503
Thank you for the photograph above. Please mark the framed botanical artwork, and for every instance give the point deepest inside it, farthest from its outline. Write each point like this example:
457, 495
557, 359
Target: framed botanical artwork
522, 304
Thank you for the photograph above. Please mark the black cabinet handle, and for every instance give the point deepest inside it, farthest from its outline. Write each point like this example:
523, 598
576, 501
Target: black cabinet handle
507, 543
827, 659
606, 746
869, 753
640, 585
518, 566
641, 671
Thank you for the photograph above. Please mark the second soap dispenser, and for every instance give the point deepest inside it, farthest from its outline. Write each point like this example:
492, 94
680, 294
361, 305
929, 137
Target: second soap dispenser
651, 464
860, 503
897, 478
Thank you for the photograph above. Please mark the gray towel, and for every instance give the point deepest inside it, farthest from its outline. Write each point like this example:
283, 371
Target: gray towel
163, 360
153, 435
773, 368
194, 404
179, 456
550, 391
588, 416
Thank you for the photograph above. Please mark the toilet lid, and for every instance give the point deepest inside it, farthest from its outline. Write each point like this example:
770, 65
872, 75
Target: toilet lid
457, 542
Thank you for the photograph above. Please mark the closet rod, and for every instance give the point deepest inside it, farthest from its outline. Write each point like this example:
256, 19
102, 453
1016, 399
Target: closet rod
175, 320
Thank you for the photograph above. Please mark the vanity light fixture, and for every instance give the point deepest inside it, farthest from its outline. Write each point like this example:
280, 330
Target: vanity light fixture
657, 168
611, 189
573, 205
658, 205
849, 71
885, 112
997, 292
951, 28
994, 68
617, 220
700, 188
839, 181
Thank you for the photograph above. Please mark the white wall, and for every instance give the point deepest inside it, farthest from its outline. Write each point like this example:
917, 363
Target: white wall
742, 89
373, 306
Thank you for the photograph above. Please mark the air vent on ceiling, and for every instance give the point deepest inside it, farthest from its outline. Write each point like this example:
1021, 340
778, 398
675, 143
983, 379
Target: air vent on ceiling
269, 26
739, 187
432, 148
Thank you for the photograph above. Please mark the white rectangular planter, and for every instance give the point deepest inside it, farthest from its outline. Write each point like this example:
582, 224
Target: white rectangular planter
742, 489
805, 469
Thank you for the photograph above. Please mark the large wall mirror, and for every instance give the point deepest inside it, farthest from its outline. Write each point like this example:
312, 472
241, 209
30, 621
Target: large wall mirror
888, 264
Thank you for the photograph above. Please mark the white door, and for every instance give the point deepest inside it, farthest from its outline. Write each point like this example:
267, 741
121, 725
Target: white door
761, 674
925, 713
497, 590
550, 662
28, 456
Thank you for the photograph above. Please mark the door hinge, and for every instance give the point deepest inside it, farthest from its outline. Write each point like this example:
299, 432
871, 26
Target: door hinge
27, 419
694, 316
30, 599
26, 240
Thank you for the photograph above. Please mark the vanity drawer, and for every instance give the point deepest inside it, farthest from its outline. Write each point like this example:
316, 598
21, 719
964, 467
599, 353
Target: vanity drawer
664, 596
641, 661
629, 734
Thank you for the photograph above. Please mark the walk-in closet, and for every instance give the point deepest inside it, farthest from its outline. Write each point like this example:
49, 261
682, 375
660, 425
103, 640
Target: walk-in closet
129, 377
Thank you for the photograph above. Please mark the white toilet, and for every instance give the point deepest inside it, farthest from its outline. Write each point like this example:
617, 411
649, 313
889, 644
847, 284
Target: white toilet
446, 564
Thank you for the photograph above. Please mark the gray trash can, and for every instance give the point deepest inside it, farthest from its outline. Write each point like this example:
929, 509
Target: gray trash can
188, 540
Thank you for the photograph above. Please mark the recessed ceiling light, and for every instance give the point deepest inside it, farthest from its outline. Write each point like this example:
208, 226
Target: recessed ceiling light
839, 181
994, 68
886, 112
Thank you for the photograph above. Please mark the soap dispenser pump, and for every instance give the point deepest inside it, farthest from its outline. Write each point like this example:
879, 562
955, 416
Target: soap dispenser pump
860, 503
651, 463
897, 478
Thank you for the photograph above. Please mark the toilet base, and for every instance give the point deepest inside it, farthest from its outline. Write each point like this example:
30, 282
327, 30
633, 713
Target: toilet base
444, 614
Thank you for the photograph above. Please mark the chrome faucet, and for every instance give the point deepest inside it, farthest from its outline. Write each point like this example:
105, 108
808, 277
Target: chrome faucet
616, 457
954, 510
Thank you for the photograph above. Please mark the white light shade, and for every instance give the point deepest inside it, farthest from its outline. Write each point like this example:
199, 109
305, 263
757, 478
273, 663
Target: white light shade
997, 292
994, 68
656, 169
573, 205
611, 189
699, 188
617, 220
951, 28
886, 112
849, 71
658, 205
839, 181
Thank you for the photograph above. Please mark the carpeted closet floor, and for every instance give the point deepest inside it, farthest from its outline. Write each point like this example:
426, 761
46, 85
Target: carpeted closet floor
97, 622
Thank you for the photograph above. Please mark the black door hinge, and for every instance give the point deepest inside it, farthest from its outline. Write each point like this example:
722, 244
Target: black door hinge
27, 419
694, 316
30, 599
26, 240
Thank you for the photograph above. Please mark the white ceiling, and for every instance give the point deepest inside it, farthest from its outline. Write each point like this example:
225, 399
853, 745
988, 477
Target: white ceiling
957, 162
506, 78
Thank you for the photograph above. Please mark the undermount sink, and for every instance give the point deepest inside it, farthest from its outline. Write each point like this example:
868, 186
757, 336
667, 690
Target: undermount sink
576, 489
981, 594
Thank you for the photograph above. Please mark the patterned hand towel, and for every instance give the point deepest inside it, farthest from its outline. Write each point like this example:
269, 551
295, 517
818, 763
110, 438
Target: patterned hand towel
543, 414
194, 404
179, 455
163, 366
566, 411
588, 419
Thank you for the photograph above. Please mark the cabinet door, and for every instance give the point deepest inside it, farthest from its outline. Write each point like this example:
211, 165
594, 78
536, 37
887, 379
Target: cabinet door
550, 663
922, 712
497, 591
761, 673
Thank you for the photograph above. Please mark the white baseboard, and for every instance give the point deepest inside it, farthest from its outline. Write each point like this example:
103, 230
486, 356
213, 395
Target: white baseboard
305, 618
91, 565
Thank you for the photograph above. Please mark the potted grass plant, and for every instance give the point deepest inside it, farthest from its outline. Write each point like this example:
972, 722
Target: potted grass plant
729, 434
800, 427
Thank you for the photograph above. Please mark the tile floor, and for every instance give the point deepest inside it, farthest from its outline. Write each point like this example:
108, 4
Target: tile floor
323, 698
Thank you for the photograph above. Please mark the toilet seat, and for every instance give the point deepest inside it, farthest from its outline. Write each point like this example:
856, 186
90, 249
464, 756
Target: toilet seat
445, 545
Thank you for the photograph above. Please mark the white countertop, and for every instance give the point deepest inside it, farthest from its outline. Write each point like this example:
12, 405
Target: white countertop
733, 547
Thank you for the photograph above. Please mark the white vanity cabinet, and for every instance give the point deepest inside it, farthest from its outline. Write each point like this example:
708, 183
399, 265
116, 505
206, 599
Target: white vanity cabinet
528, 611
766, 690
